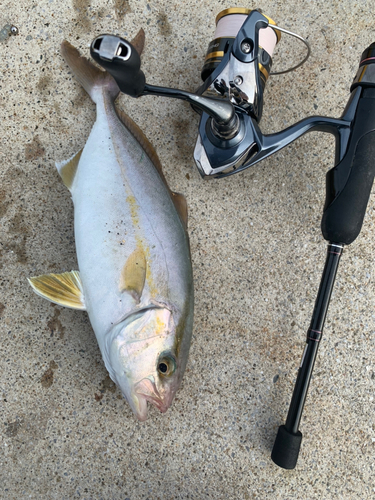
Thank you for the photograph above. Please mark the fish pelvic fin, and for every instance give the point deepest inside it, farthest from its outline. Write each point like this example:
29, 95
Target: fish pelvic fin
68, 168
63, 289
133, 274
92, 79
178, 199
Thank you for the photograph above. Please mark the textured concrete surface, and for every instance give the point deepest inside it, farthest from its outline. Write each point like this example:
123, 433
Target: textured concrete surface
257, 252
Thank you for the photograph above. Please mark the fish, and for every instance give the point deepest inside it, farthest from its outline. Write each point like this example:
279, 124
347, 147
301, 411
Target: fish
135, 276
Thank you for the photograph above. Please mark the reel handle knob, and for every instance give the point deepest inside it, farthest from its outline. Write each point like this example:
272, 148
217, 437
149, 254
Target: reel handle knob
118, 56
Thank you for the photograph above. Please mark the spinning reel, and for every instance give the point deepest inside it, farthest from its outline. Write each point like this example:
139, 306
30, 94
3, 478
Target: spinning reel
230, 102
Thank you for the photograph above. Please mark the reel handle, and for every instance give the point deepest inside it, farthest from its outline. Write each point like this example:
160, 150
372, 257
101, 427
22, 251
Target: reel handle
119, 57
349, 183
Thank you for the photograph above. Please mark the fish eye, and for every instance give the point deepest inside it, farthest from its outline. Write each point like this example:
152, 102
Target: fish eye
166, 365
163, 367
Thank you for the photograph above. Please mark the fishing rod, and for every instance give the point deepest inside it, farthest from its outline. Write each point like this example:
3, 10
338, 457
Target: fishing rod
230, 102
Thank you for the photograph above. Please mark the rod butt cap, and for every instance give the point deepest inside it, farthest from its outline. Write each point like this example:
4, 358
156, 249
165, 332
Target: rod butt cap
286, 448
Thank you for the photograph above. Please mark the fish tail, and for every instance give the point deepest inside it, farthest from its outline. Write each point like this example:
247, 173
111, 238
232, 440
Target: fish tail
93, 79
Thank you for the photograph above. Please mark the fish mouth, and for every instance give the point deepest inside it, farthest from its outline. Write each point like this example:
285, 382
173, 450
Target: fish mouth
146, 391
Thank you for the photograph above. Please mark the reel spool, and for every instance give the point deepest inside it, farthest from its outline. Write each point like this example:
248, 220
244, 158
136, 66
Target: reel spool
228, 24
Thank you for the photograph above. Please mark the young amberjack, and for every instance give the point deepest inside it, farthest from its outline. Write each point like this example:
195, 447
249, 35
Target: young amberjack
135, 276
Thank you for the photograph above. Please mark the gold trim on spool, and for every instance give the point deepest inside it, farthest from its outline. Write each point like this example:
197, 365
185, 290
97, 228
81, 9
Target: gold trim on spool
214, 54
233, 10
246, 12
263, 70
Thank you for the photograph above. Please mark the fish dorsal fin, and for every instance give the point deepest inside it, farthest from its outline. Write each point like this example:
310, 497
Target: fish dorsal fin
180, 203
178, 199
138, 41
133, 274
68, 168
143, 141
64, 289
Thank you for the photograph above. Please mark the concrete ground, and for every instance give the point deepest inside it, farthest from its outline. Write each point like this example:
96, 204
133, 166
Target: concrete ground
257, 253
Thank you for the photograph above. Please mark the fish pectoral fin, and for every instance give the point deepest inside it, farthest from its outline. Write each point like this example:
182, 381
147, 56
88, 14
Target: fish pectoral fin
180, 203
68, 168
64, 289
133, 274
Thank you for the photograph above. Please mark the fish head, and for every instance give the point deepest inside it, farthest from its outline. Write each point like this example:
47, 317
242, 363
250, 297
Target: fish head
147, 358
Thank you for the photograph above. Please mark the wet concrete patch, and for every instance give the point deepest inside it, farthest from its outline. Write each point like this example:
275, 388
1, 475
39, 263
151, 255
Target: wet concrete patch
12, 428
3, 203
122, 7
54, 325
44, 83
17, 244
163, 24
17, 224
34, 149
47, 377
7, 31
18, 248
106, 384
82, 8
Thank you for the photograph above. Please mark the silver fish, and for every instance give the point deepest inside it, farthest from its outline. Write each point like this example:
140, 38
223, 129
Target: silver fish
135, 277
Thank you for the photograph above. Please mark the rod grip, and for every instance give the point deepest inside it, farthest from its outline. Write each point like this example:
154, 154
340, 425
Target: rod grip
286, 448
349, 183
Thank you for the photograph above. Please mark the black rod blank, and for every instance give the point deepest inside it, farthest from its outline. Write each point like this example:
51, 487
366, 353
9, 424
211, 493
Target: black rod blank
288, 440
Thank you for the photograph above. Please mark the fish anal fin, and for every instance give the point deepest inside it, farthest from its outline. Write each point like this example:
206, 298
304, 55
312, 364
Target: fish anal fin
67, 169
133, 274
138, 41
63, 289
